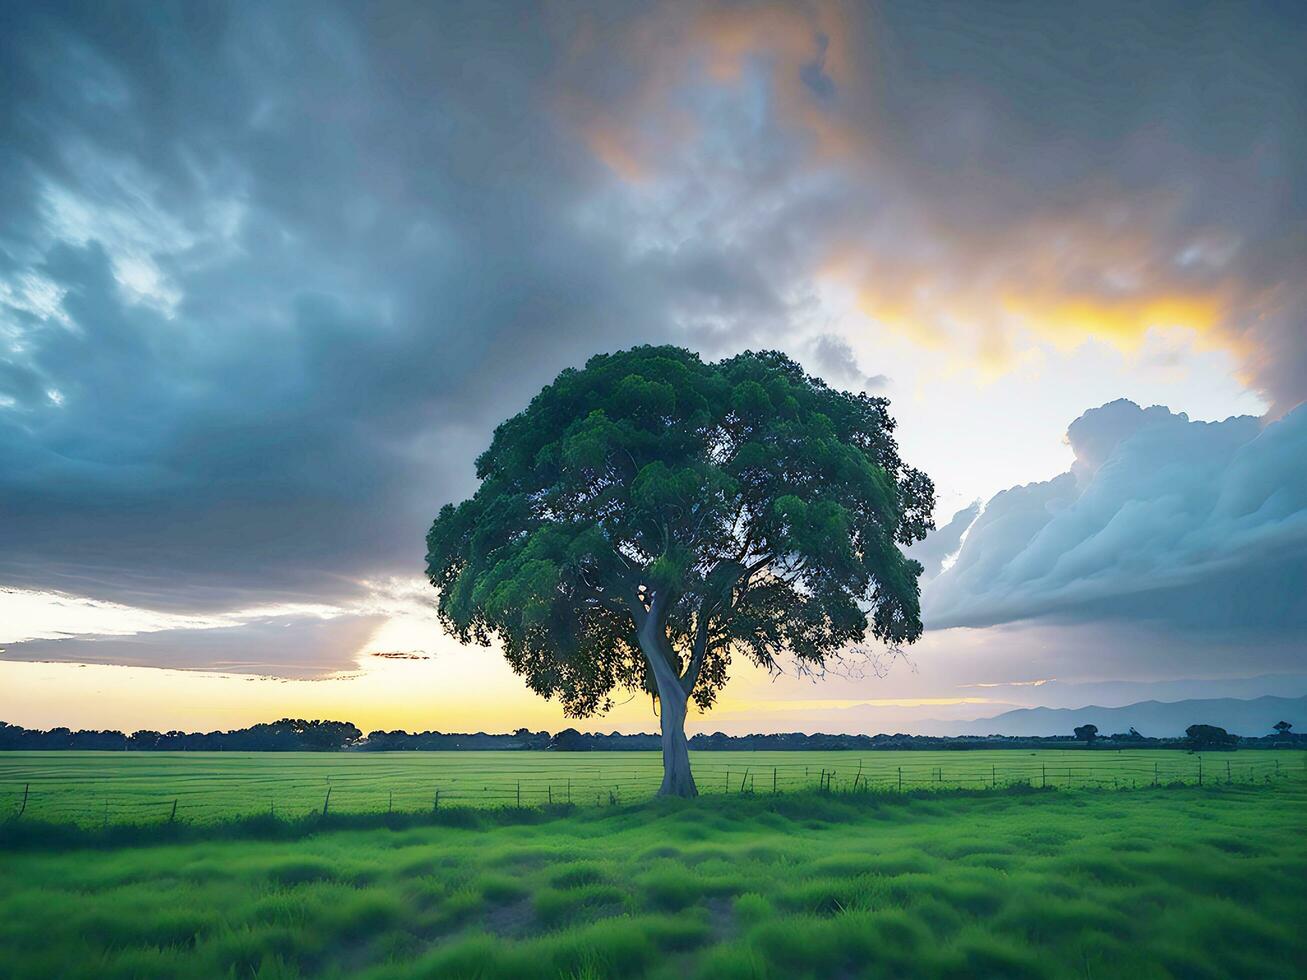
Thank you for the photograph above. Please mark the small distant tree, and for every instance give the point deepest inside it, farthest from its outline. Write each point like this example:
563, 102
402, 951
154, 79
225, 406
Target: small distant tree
319, 736
570, 740
1282, 728
1086, 733
144, 739
651, 516
1206, 738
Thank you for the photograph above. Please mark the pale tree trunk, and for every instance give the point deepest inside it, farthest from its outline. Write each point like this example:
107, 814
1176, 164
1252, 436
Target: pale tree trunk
677, 778
672, 705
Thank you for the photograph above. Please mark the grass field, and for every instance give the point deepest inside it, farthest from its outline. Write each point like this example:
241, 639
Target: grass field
91, 788
1171, 882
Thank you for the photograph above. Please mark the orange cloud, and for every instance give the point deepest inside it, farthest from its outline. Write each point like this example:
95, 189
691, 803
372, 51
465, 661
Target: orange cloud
982, 286
992, 296
1069, 320
668, 54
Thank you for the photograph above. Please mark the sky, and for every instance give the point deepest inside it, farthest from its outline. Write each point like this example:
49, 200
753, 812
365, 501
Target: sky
270, 274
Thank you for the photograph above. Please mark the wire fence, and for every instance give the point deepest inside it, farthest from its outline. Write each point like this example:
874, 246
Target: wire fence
93, 788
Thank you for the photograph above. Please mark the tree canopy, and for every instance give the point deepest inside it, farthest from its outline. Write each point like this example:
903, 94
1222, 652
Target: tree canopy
1086, 733
650, 516
1201, 737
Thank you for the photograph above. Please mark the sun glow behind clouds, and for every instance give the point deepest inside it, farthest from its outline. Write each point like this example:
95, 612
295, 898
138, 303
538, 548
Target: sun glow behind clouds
692, 134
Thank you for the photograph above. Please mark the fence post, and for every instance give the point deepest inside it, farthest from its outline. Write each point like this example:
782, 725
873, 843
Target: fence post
773, 778
993, 777
1043, 775
326, 800
1227, 772
435, 802
390, 803
27, 789
727, 787
569, 789
1200, 769
519, 792
900, 779
550, 791
173, 816
743, 778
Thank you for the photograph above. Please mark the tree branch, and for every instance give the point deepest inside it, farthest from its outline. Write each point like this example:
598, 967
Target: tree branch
757, 566
700, 648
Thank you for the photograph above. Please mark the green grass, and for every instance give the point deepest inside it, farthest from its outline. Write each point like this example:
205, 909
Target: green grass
1171, 882
92, 788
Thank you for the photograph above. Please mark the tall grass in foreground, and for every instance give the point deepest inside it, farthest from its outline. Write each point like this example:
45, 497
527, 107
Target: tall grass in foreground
1176, 882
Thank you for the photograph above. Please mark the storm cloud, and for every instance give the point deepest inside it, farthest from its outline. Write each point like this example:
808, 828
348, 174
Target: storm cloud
270, 274
259, 288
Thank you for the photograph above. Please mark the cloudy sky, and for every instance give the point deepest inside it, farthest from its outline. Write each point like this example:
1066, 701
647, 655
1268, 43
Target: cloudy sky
271, 273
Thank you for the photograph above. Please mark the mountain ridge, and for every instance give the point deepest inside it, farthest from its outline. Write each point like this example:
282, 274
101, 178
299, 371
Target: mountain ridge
1152, 718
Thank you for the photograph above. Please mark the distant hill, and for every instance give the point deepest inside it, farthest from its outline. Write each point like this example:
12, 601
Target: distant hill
1155, 719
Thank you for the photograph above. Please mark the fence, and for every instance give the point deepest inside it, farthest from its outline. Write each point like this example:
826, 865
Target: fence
100, 788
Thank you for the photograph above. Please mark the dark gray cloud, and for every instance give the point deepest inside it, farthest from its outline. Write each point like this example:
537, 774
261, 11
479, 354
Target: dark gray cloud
1197, 526
272, 274
269, 274
833, 360
1065, 172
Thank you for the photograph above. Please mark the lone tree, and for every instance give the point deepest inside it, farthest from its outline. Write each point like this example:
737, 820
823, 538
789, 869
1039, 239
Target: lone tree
1282, 728
1203, 737
650, 516
1086, 733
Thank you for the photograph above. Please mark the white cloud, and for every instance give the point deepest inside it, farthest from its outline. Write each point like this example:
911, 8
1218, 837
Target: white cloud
1160, 517
314, 639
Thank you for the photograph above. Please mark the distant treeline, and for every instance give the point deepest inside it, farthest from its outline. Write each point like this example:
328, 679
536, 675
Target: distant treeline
286, 735
298, 735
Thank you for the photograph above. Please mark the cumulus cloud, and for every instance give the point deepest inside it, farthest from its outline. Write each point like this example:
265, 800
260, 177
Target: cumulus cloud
943, 544
1163, 519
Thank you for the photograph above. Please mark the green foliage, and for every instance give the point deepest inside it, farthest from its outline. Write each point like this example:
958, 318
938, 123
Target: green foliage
746, 507
1208, 737
1148, 883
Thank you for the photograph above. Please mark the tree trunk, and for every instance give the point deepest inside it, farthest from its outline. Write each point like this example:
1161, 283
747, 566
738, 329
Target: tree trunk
677, 778
672, 702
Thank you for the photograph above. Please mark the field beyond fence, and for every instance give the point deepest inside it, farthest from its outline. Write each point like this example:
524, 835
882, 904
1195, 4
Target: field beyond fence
100, 788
